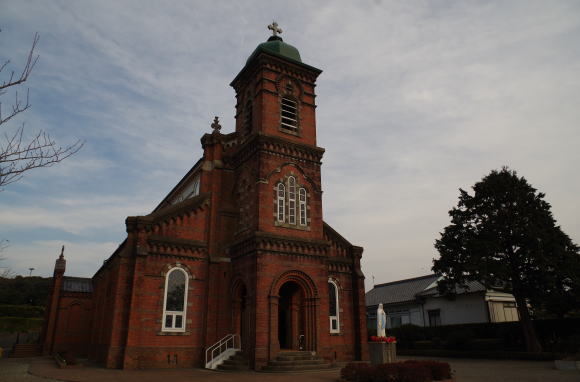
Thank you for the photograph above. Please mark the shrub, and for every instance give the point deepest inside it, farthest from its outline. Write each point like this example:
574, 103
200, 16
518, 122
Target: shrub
438, 370
459, 340
19, 324
69, 357
423, 345
408, 371
356, 372
27, 311
408, 333
486, 344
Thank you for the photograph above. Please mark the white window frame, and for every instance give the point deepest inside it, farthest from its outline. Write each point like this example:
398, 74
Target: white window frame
302, 206
291, 200
334, 319
281, 204
174, 313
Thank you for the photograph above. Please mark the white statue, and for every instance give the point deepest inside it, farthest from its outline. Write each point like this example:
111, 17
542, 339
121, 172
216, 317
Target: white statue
381, 322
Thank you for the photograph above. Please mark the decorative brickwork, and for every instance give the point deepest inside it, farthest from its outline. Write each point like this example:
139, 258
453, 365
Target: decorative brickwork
249, 271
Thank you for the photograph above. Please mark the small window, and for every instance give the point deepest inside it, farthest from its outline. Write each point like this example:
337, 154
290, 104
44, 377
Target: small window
333, 307
281, 202
302, 201
289, 114
174, 307
291, 200
434, 317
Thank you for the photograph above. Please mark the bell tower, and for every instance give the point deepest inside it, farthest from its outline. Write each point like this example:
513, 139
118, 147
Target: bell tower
275, 93
278, 158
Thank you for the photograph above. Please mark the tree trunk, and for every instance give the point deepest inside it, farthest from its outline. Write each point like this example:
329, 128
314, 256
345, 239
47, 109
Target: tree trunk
532, 343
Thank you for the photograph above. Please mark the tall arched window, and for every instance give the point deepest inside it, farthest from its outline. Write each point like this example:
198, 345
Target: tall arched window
289, 114
281, 202
333, 310
291, 200
302, 202
175, 301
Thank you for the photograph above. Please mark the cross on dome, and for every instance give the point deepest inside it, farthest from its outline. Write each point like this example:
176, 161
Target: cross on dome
216, 125
274, 28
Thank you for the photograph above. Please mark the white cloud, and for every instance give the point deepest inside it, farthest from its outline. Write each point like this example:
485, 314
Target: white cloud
416, 100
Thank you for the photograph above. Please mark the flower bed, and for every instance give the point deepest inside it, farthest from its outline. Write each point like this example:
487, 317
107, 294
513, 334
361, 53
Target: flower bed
408, 371
390, 340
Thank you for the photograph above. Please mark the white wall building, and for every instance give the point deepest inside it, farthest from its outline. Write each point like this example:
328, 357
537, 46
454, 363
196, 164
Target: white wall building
416, 301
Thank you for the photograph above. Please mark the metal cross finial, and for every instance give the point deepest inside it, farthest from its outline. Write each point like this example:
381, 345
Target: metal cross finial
274, 28
216, 125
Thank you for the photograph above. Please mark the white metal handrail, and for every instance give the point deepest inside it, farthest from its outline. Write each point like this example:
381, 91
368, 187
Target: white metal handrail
221, 347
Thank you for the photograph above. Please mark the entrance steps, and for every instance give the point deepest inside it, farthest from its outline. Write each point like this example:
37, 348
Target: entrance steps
236, 362
289, 361
25, 350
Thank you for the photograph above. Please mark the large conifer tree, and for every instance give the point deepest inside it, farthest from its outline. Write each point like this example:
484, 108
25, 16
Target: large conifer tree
505, 235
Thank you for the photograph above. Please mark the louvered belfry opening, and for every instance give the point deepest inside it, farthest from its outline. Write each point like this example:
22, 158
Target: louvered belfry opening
289, 111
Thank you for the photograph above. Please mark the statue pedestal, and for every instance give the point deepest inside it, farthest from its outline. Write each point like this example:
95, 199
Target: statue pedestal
382, 352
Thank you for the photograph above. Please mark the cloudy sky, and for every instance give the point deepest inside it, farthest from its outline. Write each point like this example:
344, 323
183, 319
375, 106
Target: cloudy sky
417, 99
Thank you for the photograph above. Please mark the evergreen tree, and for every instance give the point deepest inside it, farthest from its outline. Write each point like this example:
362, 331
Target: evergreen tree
505, 235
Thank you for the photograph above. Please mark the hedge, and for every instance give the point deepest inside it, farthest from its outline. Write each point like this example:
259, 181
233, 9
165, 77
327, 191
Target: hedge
408, 371
19, 324
495, 354
556, 335
21, 311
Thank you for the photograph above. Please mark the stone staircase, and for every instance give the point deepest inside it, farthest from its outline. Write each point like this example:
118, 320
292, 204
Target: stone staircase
236, 362
289, 361
25, 350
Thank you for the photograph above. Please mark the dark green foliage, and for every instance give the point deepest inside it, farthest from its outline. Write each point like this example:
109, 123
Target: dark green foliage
438, 370
24, 291
27, 311
408, 371
19, 324
555, 335
504, 235
460, 339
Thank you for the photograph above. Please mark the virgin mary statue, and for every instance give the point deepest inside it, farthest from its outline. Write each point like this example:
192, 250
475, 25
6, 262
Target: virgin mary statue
381, 322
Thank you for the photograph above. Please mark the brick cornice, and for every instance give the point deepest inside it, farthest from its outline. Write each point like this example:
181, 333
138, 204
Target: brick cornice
135, 223
271, 243
265, 61
275, 145
175, 243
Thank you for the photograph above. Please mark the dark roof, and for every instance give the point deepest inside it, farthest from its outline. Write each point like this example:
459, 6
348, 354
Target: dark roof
472, 286
77, 284
408, 290
399, 291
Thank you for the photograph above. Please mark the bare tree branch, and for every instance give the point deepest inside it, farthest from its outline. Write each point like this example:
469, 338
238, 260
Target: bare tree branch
19, 154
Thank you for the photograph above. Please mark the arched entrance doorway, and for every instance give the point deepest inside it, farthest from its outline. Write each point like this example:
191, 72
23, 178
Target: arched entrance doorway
290, 315
293, 306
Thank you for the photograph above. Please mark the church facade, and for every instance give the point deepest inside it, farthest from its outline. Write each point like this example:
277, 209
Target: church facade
239, 246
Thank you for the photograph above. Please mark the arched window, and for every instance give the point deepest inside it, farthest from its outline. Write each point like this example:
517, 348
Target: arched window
291, 200
333, 310
175, 301
302, 202
248, 117
281, 202
289, 114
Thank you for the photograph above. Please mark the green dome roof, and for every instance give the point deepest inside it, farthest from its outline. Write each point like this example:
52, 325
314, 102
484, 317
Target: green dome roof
276, 46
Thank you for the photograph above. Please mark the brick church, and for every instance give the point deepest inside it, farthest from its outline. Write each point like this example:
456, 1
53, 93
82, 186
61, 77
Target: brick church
238, 247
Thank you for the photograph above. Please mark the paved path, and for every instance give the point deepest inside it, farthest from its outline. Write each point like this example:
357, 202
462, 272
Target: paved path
466, 370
